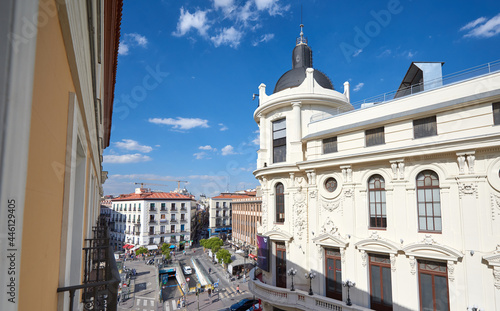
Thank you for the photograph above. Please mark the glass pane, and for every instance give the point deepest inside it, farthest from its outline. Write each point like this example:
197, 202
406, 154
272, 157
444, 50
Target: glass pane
375, 286
338, 275
372, 196
430, 223
428, 195
372, 209
382, 199
420, 195
280, 124
421, 223
426, 292
441, 288
436, 195
437, 223
279, 134
383, 210
427, 181
377, 196
435, 182
378, 209
437, 209
428, 208
421, 209
386, 281
330, 274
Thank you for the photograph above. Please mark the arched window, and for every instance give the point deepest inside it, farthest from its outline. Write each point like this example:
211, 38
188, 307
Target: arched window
376, 202
280, 203
428, 201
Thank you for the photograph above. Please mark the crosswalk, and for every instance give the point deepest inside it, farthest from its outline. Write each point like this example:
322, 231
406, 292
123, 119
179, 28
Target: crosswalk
227, 292
145, 304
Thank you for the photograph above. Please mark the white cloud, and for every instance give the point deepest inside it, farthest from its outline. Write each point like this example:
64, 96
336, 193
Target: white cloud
256, 141
207, 147
272, 6
223, 127
123, 48
129, 144
181, 123
126, 158
197, 20
138, 39
385, 53
200, 155
229, 36
131, 40
264, 38
357, 52
358, 86
482, 27
228, 150
411, 54
223, 3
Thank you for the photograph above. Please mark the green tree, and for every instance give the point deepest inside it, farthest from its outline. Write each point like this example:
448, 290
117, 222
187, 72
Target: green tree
214, 244
224, 256
165, 250
141, 250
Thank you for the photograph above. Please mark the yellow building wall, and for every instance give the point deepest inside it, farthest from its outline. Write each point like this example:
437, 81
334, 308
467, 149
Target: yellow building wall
45, 181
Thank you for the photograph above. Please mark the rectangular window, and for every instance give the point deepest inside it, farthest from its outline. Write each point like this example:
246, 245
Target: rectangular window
380, 282
333, 273
433, 285
217, 204
424, 127
172, 228
279, 141
374, 137
330, 145
496, 113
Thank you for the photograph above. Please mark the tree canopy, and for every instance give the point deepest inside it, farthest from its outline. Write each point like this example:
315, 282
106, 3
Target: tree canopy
141, 250
212, 243
165, 250
224, 256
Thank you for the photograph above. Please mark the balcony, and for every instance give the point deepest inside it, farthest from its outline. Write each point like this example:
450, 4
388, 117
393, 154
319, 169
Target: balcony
152, 209
298, 299
138, 221
163, 220
173, 241
152, 221
163, 209
183, 221
174, 221
101, 276
173, 209
183, 209
137, 233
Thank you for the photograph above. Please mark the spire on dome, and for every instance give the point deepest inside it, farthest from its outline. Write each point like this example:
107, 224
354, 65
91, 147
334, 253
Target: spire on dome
301, 39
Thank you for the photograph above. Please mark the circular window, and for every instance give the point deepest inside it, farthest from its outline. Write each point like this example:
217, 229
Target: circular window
331, 184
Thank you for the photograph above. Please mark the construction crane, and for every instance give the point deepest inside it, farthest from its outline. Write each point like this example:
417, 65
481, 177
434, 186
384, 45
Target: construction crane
178, 183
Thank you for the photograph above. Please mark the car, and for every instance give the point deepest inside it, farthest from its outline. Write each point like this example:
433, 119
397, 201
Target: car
187, 270
240, 303
250, 305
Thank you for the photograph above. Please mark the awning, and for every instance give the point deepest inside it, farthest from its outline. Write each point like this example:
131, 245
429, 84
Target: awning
126, 246
172, 246
252, 256
130, 246
151, 247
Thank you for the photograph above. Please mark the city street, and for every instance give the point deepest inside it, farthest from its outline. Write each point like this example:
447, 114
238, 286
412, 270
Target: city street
145, 291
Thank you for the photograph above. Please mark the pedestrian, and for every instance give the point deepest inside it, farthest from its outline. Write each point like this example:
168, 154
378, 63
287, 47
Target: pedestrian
237, 289
178, 303
209, 292
209, 270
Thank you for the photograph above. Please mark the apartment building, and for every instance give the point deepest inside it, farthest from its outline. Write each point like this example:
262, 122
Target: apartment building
220, 211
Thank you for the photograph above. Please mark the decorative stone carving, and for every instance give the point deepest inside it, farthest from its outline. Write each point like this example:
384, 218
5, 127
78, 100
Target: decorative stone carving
347, 173
393, 262
311, 177
264, 212
299, 197
364, 258
276, 116
429, 240
300, 223
495, 206
461, 163
263, 182
329, 226
331, 206
470, 160
312, 194
374, 236
342, 255
451, 271
496, 275
468, 189
398, 169
349, 192
413, 264
292, 179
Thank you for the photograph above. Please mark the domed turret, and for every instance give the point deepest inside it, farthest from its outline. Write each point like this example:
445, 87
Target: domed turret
301, 60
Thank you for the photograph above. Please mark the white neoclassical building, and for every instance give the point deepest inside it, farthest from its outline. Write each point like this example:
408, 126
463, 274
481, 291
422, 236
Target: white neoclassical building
400, 196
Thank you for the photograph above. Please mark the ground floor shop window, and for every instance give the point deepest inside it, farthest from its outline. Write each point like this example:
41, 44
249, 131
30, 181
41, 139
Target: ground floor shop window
380, 282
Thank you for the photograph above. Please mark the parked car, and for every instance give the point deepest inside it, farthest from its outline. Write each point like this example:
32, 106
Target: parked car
187, 270
246, 305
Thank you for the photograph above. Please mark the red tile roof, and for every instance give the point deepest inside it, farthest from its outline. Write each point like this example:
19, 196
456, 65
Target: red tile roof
153, 196
235, 195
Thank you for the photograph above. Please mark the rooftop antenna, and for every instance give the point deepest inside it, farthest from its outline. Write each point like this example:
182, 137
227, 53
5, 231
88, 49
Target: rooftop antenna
301, 40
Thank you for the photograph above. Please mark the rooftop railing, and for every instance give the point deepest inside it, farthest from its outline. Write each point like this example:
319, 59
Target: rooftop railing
445, 80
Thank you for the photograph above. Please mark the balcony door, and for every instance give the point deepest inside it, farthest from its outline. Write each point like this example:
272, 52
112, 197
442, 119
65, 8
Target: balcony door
281, 265
333, 273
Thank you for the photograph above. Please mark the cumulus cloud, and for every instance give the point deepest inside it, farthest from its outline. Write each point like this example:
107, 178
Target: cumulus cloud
228, 150
197, 20
272, 6
228, 36
200, 155
223, 127
129, 144
358, 86
131, 40
223, 4
264, 38
126, 158
482, 27
181, 123
207, 147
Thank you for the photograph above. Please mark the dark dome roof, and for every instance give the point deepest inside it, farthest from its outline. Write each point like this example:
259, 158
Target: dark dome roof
301, 60
296, 76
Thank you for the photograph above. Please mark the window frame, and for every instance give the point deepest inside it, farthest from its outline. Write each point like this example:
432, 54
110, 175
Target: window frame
436, 205
382, 218
330, 145
278, 142
419, 127
432, 273
381, 266
496, 113
279, 203
335, 255
372, 136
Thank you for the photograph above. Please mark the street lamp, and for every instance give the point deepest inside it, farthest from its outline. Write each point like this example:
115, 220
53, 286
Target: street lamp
310, 275
348, 284
292, 272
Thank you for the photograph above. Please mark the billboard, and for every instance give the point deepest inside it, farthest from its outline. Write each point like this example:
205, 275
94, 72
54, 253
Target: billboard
263, 243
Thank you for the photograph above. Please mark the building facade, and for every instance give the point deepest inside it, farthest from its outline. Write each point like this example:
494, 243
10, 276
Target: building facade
247, 214
146, 218
58, 64
400, 198
220, 212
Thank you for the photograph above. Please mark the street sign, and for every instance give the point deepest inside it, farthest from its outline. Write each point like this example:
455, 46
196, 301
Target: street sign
187, 279
216, 284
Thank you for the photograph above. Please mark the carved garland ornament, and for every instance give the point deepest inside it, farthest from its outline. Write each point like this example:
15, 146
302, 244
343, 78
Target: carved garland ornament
451, 271
413, 264
468, 189
331, 206
495, 206
300, 220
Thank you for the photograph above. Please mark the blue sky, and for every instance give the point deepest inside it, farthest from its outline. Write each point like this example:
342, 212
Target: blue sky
187, 70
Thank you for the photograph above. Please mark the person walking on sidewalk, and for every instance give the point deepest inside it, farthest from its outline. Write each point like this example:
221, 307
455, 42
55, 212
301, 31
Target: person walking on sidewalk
237, 289
209, 292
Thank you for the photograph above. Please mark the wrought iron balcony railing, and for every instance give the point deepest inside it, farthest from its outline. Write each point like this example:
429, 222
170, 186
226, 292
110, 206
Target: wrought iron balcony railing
101, 276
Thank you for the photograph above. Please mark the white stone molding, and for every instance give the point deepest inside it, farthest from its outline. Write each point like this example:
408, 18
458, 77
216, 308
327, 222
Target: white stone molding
276, 234
342, 255
300, 221
466, 160
493, 259
471, 158
461, 163
364, 258
495, 206
329, 226
298, 197
430, 249
327, 239
398, 169
292, 179
451, 270
393, 262
311, 177
347, 173
331, 206
348, 192
312, 194
276, 116
413, 263
468, 189
377, 244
